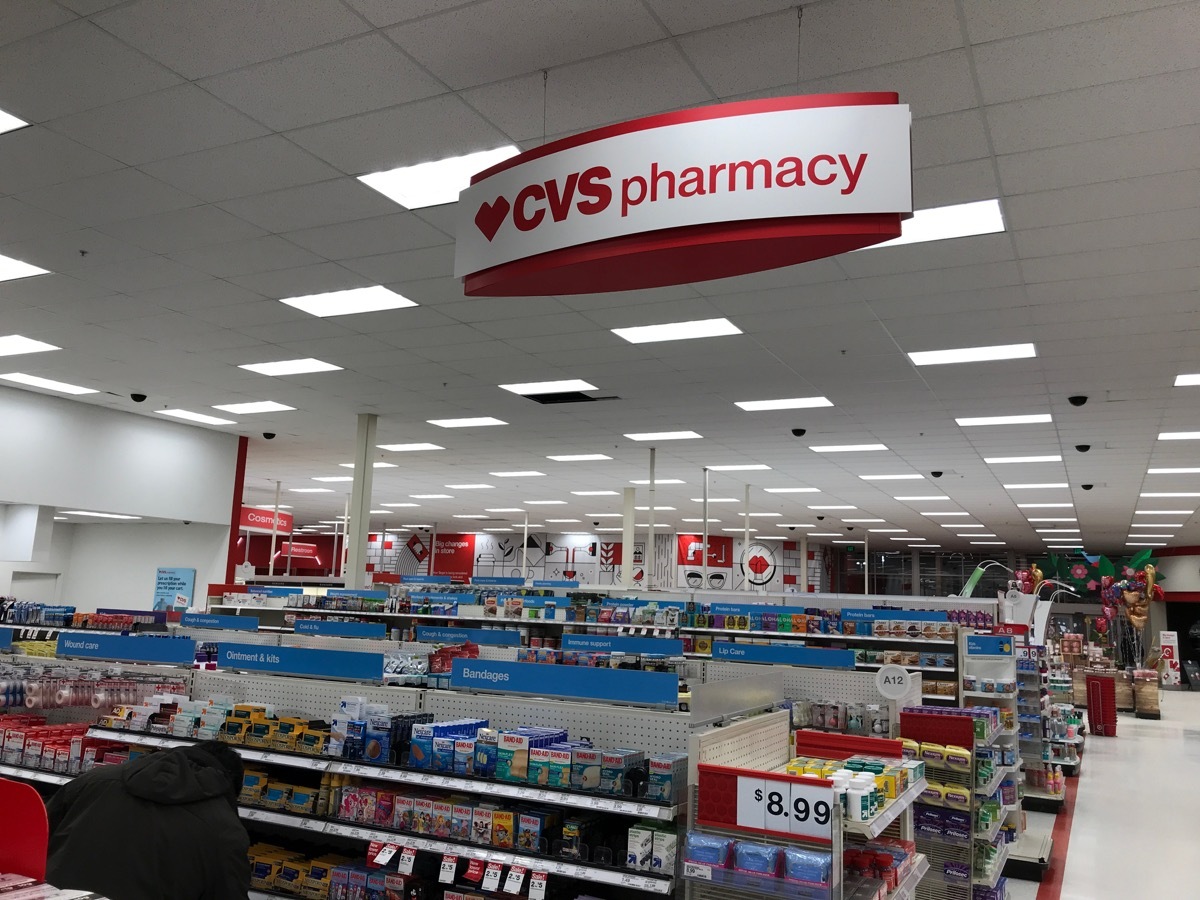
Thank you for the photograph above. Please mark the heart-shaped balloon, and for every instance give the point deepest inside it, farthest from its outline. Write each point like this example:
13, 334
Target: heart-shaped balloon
1106, 581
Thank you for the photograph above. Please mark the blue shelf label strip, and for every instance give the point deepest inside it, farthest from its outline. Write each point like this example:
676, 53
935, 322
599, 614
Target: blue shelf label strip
376, 630
424, 579
6, 638
491, 637
989, 645
745, 609
874, 615
225, 623
341, 664
274, 591
496, 580
598, 643
159, 651
544, 583
624, 686
364, 594
814, 657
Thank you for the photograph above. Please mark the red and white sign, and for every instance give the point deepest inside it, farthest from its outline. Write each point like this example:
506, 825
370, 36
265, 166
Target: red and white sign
454, 555
253, 519
1168, 642
720, 551
689, 196
765, 802
299, 551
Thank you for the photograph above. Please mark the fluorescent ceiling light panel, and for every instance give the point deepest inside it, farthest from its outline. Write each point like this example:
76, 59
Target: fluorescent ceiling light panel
15, 345
768, 515
497, 529
1138, 537
656, 481
1163, 512
749, 467
664, 436
849, 542
549, 387
418, 526
437, 182
925, 546
792, 490
972, 354
912, 477
528, 474
659, 525
579, 457
864, 521
886, 530
258, 406
1036, 419
822, 533
1145, 545
1179, 436
60, 518
311, 490
1187, 380
333, 478
1157, 494
1156, 525
656, 509
609, 529
830, 507
9, 122
407, 448
271, 506
699, 520
596, 493
792, 403
544, 502
376, 465
1057, 530
1040, 486
281, 367
47, 384
923, 497
677, 331
194, 417
380, 512
1045, 505
401, 505
350, 302
97, 515
606, 516
469, 516
979, 534
717, 500
1053, 519
795, 525
471, 487
11, 269
1184, 471
952, 525
470, 422
431, 496
751, 530
1003, 460
561, 521
848, 448
987, 543
945, 514
910, 537
504, 509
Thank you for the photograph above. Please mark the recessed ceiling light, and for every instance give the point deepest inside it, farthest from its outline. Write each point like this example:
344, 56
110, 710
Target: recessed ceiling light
1187, 380
658, 525
497, 509
925, 546
1144, 545
606, 516
9, 122
1184, 471
716, 500
15, 345
270, 506
849, 542
656, 481
291, 367
1002, 460
909, 537
772, 537
380, 512
401, 505
418, 526
375, 465
832, 507
571, 385
437, 182
469, 516
1044, 485
953, 525
945, 514
350, 302
96, 515
911, 477
848, 448
469, 422
740, 530
47, 384
664, 436
60, 518
1156, 525
12, 269
795, 525
1138, 537
923, 497
579, 457
1045, 505
497, 529
431, 496
887, 530
544, 502
793, 403
852, 521
596, 493
987, 543
977, 534
972, 354
1057, 530
1156, 494
767, 515
528, 474
657, 508
792, 490
561, 521
940, 223
471, 487
258, 406
1163, 512
330, 522
609, 529
699, 520
332, 478
1053, 519
311, 490
1035, 419
406, 448
1179, 436
677, 331
822, 533
194, 416
749, 467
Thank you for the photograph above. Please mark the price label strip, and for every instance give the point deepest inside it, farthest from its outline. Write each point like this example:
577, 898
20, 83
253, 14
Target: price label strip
697, 870
408, 856
491, 878
516, 878
537, 886
384, 856
449, 867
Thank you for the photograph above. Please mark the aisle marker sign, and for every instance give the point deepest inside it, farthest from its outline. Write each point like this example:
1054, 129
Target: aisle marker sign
766, 803
349, 665
162, 651
602, 643
989, 645
489, 637
624, 686
225, 623
377, 630
776, 654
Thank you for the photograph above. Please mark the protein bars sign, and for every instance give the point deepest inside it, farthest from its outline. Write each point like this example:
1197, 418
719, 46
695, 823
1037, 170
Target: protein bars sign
689, 196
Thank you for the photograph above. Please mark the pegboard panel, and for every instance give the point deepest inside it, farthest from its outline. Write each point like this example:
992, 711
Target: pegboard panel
307, 697
652, 730
760, 742
325, 642
175, 673
219, 635
798, 681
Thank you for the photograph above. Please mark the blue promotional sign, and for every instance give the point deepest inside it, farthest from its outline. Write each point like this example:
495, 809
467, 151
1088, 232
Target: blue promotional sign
173, 588
452, 599
364, 594
555, 584
492, 637
742, 609
778, 654
159, 651
989, 645
228, 623
623, 686
875, 615
341, 629
600, 643
6, 638
424, 579
269, 591
339, 664
496, 580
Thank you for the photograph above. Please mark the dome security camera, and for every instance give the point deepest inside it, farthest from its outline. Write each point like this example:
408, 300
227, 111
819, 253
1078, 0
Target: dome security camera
935, 474
1087, 487
799, 432
820, 518
1077, 400
791, 528
269, 435
596, 524
1083, 448
138, 398
849, 527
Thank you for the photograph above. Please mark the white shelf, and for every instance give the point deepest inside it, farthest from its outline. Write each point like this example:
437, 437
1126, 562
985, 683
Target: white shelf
991, 695
989, 881
949, 697
364, 612
288, 820
1000, 774
815, 636
251, 754
948, 670
907, 889
1034, 794
890, 812
41, 775
990, 834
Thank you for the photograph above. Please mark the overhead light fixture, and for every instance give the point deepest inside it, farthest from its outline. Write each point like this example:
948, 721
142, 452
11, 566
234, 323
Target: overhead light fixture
658, 525
374, 465
258, 406
987, 543
1039, 486
596, 493
911, 477
1179, 436
908, 537
498, 529
609, 529
1163, 512
1190, 470
15, 345
1045, 505
1156, 525
311, 490
97, 515
496, 509
9, 122
771, 537
925, 546
418, 526
829, 507
469, 422
1138, 537
431, 496
923, 497
271, 506
849, 542
529, 474
972, 354
435, 183
604, 515
12, 269
887, 530
47, 384
663, 436
792, 403
952, 525
1035, 419
291, 367
401, 505
1187, 380
848, 448
931, 514
716, 500
656, 481
350, 302
795, 525
1144, 494
749, 467
1057, 530
977, 534
1131, 544
579, 457
561, 521
469, 516
822, 533
656, 509
740, 530
194, 417
766, 515
1002, 460
677, 331
1054, 519
544, 502
864, 521
792, 490
408, 448
471, 487
571, 385
699, 520
334, 478
380, 512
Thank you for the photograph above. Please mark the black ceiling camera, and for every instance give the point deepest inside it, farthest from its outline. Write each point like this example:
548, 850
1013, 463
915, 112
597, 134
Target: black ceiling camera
936, 474
187, 521
820, 518
1083, 448
138, 398
269, 435
791, 528
1077, 400
1087, 487
849, 527
799, 432
597, 524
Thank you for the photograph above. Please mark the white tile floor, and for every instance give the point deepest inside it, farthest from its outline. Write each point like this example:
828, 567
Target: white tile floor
1132, 836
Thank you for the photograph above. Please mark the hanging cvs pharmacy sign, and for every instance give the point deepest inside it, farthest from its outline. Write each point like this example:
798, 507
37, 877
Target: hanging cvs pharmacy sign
689, 196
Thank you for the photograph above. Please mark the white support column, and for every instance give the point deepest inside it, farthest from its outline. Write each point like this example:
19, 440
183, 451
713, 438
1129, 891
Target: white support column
652, 548
704, 549
916, 573
525, 548
803, 584
627, 538
274, 532
359, 501
866, 563
745, 532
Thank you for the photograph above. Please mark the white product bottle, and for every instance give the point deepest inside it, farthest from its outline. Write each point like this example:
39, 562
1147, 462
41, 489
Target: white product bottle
866, 785
840, 787
858, 802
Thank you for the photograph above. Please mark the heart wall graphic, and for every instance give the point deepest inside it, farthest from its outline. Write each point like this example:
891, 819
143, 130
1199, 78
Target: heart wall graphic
491, 216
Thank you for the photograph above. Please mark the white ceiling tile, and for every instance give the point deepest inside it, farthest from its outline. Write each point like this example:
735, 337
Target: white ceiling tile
243, 314
196, 226
87, 7
198, 295
108, 197
21, 18
46, 290
250, 167
410, 265
246, 257
324, 203
1119, 261
355, 76
75, 67
35, 157
987, 21
171, 122
1127, 231
682, 18
112, 308
388, 12
943, 140
143, 274
202, 37
369, 237
314, 279
1090, 202
65, 252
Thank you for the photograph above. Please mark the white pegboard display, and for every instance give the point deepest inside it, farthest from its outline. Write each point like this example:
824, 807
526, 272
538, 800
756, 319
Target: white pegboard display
760, 742
324, 642
218, 635
308, 697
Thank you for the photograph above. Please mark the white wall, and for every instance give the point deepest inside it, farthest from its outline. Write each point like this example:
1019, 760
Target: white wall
54, 564
1180, 573
74, 455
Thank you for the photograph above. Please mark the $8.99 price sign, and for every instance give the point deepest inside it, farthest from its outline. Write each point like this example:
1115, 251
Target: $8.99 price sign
766, 802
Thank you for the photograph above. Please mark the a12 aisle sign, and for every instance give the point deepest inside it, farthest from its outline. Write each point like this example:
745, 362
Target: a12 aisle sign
766, 802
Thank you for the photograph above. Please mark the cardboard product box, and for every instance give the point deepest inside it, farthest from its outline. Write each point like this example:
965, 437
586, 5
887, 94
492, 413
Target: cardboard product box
403, 817
481, 824
585, 768
462, 815
503, 829
443, 815
464, 756
639, 848
423, 815
512, 757
530, 827
666, 848
614, 765
667, 777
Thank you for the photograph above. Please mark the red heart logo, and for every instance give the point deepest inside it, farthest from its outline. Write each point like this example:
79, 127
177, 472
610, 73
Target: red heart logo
758, 565
491, 216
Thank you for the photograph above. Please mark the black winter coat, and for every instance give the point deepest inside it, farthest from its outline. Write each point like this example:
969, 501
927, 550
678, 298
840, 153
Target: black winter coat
163, 827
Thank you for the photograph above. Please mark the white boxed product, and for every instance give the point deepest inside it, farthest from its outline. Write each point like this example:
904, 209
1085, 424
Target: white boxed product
641, 848
666, 846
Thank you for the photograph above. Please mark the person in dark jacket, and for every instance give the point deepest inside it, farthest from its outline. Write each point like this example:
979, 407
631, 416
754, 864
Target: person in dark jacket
163, 827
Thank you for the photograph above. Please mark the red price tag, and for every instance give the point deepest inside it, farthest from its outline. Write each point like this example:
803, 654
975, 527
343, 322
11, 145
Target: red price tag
491, 878
449, 866
766, 802
516, 878
385, 854
537, 886
474, 871
408, 856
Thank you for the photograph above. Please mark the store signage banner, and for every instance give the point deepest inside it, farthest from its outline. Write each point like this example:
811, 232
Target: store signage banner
338, 664
720, 551
490, 637
765, 803
815, 657
989, 645
454, 555
551, 583
357, 592
424, 579
441, 599
298, 551
226, 623
624, 686
162, 651
497, 581
269, 591
892, 615
599, 643
173, 588
689, 196
376, 630
262, 519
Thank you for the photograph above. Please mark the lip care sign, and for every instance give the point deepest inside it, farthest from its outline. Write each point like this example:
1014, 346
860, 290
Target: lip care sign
689, 196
